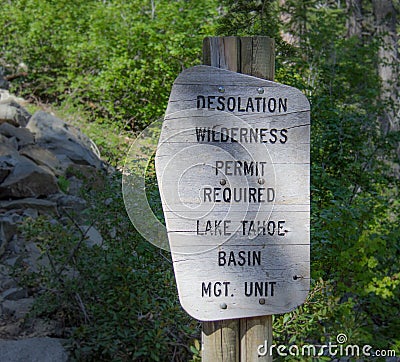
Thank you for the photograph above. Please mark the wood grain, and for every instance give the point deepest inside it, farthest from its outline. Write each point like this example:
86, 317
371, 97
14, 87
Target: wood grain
228, 260
248, 55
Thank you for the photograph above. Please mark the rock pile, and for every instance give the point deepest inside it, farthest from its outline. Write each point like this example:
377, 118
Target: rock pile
43, 164
37, 153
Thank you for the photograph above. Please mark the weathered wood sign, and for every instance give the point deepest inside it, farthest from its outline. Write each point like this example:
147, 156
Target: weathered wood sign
233, 170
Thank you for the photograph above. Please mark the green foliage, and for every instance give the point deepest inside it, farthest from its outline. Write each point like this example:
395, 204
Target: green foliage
117, 59
355, 242
117, 299
319, 321
114, 62
355, 233
247, 18
63, 184
195, 349
252, 18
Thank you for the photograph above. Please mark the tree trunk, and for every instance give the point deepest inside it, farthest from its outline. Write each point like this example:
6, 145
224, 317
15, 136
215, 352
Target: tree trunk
289, 35
354, 18
388, 68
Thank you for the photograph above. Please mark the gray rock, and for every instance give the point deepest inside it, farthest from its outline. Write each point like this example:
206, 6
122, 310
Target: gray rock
43, 157
6, 282
34, 258
4, 84
18, 308
26, 179
3, 242
92, 236
44, 327
4, 172
16, 246
113, 232
6, 97
42, 205
14, 294
6, 161
69, 201
392, 359
11, 330
8, 228
11, 261
13, 113
31, 213
23, 135
9, 141
62, 139
33, 350
7, 152
64, 161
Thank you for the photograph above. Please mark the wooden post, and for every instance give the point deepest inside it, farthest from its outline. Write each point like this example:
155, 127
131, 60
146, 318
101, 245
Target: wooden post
247, 55
237, 340
221, 341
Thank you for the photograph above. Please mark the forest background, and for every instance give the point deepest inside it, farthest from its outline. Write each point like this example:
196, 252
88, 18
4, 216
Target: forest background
108, 67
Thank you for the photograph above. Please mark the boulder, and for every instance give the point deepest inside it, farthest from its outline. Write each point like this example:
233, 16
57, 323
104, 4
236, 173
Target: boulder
16, 247
43, 157
7, 152
7, 282
92, 236
41, 205
10, 330
33, 259
14, 293
44, 166
69, 202
6, 97
13, 113
8, 228
17, 308
3, 241
33, 350
26, 179
64, 140
23, 135
4, 172
9, 141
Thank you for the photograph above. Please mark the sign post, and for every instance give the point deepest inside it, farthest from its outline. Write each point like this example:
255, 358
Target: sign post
233, 170
256, 57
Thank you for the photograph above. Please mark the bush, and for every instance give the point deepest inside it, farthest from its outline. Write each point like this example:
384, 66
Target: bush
117, 300
354, 185
116, 59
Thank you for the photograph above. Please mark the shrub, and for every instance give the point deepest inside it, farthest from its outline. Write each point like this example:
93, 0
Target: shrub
117, 59
117, 300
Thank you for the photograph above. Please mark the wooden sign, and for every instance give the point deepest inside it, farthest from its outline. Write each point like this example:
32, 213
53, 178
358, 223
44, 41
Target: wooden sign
233, 167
